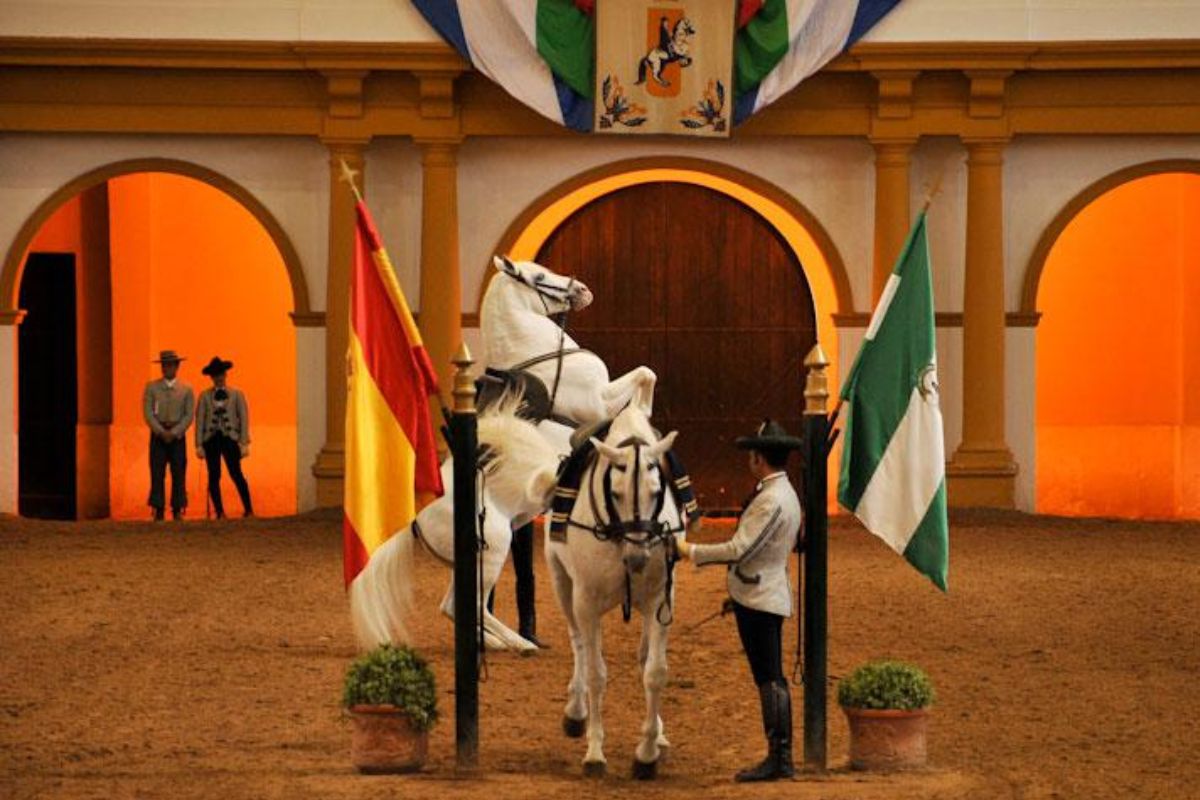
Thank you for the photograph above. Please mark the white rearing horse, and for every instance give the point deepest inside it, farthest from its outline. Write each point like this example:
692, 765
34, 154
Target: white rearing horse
519, 334
517, 477
618, 549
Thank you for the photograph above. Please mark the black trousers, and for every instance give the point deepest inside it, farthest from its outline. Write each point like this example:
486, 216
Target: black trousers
522, 558
163, 453
220, 447
762, 639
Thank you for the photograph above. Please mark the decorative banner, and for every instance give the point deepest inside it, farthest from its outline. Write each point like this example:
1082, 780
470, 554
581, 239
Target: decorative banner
665, 66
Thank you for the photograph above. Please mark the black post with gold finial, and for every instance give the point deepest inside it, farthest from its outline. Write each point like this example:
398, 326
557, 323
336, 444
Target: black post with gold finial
463, 441
816, 558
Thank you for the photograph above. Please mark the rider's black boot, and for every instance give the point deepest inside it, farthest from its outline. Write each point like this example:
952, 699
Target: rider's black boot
777, 724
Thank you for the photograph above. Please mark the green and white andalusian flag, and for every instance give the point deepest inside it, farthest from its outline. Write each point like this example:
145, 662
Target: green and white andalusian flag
893, 457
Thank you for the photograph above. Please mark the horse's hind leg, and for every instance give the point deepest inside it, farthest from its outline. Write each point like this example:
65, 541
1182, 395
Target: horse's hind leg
654, 680
575, 713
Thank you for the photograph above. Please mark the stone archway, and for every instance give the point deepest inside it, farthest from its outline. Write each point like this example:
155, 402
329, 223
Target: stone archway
802, 263
1115, 283
10, 271
101, 376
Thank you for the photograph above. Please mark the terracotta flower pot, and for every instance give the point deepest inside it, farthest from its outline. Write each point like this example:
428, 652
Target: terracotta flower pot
886, 739
385, 740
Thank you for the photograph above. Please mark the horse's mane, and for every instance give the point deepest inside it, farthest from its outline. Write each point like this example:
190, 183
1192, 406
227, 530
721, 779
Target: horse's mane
517, 450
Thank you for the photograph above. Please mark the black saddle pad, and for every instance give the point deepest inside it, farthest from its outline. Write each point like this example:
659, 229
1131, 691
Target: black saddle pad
535, 398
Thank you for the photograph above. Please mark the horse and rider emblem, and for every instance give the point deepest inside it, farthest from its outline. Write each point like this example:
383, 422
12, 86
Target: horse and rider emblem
674, 46
664, 66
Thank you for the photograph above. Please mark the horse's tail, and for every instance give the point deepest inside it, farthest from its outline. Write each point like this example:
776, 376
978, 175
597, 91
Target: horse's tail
642, 70
381, 595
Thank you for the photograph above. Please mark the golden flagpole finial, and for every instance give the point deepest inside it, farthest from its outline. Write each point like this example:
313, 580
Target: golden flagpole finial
934, 190
348, 175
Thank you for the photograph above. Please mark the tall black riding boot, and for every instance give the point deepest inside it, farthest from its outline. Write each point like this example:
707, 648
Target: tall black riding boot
522, 554
777, 725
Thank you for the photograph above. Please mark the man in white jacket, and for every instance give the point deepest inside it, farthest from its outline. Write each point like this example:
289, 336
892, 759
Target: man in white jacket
757, 557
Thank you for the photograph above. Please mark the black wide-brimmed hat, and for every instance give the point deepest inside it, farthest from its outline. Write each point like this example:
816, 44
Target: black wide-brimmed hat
168, 357
769, 436
216, 366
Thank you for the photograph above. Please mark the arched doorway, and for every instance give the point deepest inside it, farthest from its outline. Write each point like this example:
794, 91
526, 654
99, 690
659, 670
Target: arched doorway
1118, 348
163, 259
705, 291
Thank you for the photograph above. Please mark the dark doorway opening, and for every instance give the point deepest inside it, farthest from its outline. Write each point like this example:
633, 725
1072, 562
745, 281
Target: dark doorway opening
47, 388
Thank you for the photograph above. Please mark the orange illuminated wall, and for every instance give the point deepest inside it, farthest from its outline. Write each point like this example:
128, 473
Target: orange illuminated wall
1118, 356
194, 271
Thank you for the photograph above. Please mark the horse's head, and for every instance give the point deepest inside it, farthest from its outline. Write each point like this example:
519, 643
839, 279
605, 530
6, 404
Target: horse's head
520, 466
634, 488
683, 29
549, 292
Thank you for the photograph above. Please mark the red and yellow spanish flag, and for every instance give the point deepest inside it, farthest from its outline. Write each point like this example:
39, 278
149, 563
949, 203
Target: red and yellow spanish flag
391, 455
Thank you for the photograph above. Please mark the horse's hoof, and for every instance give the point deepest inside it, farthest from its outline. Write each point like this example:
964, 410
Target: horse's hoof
574, 728
645, 772
594, 769
664, 751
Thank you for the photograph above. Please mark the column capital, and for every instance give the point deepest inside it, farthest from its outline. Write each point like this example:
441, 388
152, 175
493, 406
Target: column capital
985, 150
439, 151
345, 144
893, 151
12, 316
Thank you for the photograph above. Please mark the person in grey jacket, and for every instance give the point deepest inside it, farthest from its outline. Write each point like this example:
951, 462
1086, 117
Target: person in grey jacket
759, 586
223, 432
168, 407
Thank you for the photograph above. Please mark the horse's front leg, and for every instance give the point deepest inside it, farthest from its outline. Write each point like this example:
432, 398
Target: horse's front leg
575, 713
594, 762
654, 680
636, 386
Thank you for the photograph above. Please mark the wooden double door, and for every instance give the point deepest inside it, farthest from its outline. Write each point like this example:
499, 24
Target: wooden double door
704, 291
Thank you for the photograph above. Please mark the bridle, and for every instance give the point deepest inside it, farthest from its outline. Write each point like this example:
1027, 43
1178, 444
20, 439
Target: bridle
546, 293
644, 532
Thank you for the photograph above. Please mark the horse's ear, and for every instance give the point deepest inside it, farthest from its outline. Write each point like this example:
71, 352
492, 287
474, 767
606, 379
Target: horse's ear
662, 445
618, 457
504, 265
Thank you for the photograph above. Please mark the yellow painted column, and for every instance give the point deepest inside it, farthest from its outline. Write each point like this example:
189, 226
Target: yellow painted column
892, 158
441, 279
330, 466
982, 471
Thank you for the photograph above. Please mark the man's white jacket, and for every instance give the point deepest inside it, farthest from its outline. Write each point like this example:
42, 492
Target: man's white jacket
759, 551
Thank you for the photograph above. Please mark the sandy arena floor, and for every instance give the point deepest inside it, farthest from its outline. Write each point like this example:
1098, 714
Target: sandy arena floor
204, 660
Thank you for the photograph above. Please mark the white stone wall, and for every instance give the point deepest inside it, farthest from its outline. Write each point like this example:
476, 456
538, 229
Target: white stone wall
398, 20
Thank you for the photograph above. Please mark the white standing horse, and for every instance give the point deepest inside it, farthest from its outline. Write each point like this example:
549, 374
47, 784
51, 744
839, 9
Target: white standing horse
618, 549
519, 334
517, 476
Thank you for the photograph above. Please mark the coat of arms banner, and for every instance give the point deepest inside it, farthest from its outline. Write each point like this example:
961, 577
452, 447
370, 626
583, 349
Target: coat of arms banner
664, 66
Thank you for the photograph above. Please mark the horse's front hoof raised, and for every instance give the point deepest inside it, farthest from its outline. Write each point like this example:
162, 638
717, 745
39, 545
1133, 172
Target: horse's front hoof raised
594, 769
574, 728
643, 771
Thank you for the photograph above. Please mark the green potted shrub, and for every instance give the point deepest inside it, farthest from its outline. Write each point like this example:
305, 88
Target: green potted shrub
391, 697
887, 705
